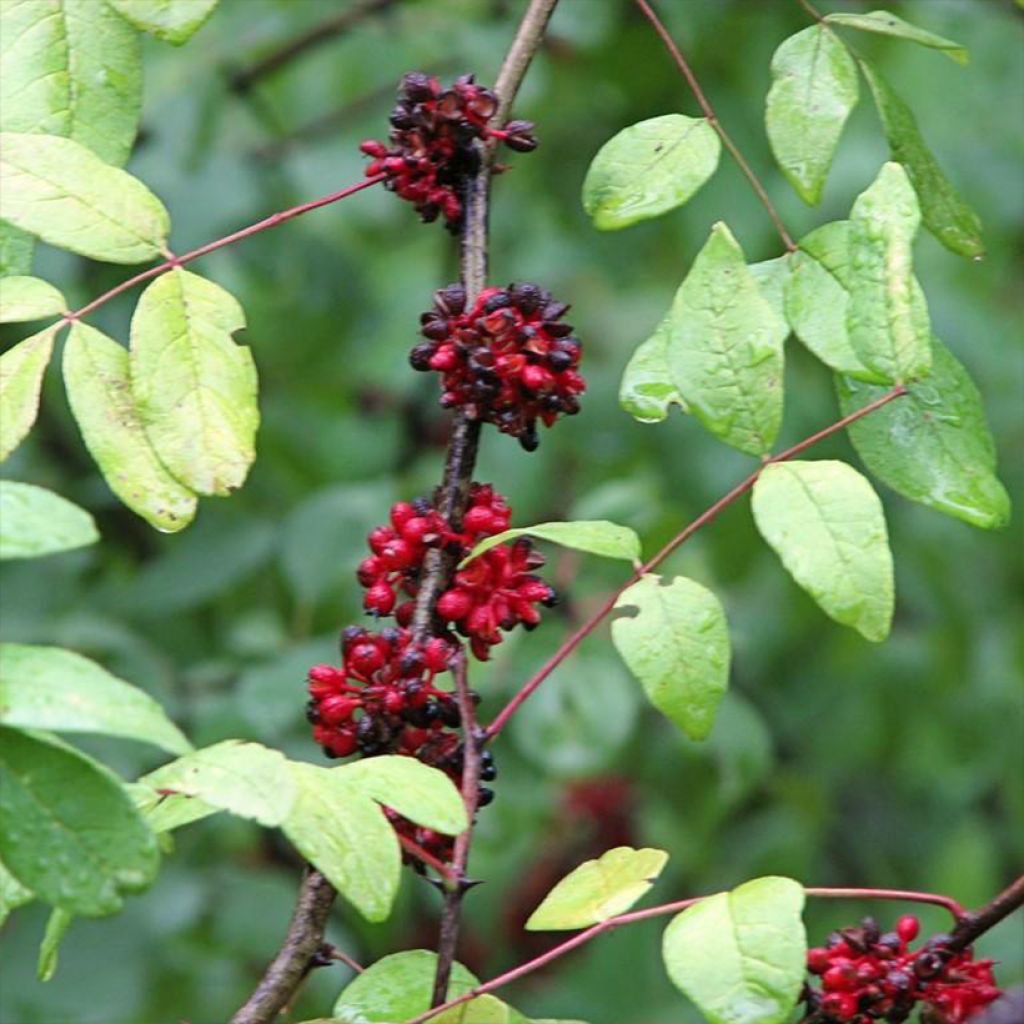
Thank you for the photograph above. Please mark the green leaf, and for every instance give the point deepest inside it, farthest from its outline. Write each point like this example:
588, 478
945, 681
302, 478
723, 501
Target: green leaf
725, 347
52, 800
418, 792
35, 522
886, 23
825, 522
341, 831
595, 536
165, 812
649, 168
21, 379
71, 68
599, 889
194, 387
247, 779
944, 212
398, 987
28, 298
887, 318
49, 950
647, 389
96, 376
677, 646
62, 192
50, 688
814, 89
771, 277
932, 445
741, 955
16, 249
12, 894
173, 21
817, 298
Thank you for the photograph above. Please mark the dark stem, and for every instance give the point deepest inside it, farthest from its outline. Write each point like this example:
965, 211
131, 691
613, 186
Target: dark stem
242, 81
573, 641
709, 113
304, 939
449, 932
975, 923
438, 567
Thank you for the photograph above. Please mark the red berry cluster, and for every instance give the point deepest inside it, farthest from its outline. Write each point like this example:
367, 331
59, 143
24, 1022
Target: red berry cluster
433, 134
496, 591
510, 360
867, 976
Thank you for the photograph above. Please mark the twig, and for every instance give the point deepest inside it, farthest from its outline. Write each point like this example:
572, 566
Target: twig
975, 923
677, 907
449, 930
242, 81
712, 119
573, 641
179, 261
303, 941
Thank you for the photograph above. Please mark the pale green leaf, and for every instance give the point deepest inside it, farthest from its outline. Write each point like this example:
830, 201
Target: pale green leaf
771, 277
21, 379
677, 646
174, 21
887, 319
595, 536
52, 798
194, 387
49, 950
16, 250
814, 89
725, 347
649, 168
817, 299
247, 779
35, 522
12, 894
826, 524
342, 832
647, 390
418, 792
96, 376
741, 955
58, 690
71, 68
944, 212
28, 298
933, 444
59, 190
165, 812
398, 987
888, 24
599, 889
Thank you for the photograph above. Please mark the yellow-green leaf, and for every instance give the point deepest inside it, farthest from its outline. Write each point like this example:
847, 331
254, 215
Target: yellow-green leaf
28, 298
647, 390
174, 21
595, 536
36, 522
888, 24
21, 378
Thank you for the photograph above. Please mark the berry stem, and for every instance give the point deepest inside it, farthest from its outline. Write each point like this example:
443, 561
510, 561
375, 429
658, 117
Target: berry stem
975, 923
461, 459
680, 905
456, 882
179, 261
573, 641
426, 857
702, 101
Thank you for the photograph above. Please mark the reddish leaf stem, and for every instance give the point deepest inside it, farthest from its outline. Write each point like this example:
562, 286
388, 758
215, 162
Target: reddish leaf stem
573, 641
426, 857
679, 905
179, 261
712, 118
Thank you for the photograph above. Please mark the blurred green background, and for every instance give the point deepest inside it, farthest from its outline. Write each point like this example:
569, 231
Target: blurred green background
834, 761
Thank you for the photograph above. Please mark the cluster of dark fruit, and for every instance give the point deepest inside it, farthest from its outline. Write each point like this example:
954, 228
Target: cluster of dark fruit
496, 591
867, 976
432, 151
510, 360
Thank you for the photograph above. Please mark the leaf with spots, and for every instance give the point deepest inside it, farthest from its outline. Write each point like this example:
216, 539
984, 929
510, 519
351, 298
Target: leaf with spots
98, 383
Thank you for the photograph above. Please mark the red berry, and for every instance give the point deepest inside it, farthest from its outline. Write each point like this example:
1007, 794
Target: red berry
818, 960
454, 605
480, 520
326, 674
380, 599
366, 658
907, 927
